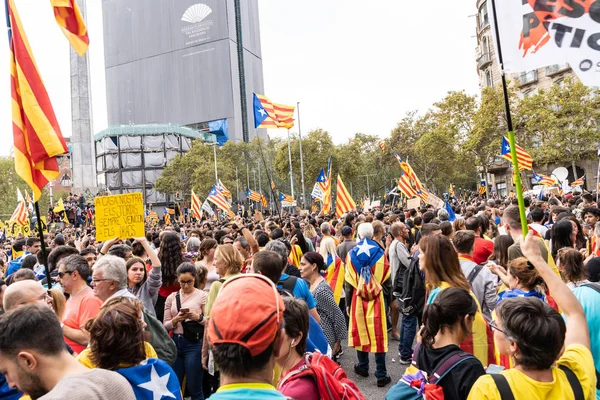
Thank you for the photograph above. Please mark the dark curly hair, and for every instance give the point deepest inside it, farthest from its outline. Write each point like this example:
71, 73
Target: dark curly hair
170, 256
116, 334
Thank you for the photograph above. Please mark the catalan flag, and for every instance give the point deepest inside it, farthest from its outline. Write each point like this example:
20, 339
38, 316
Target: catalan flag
366, 270
284, 115
544, 180
230, 214
579, 182
254, 196
196, 206
381, 145
263, 201
335, 276
410, 179
284, 198
482, 187
264, 112
525, 160
405, 187
322, 180
272, 185
327, 191
20, 214
215, 197
36, 134
69, 18
343, 202
224, 191
314, 207
451, 192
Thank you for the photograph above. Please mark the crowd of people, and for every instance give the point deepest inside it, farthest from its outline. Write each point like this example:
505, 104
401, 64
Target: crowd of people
263, 308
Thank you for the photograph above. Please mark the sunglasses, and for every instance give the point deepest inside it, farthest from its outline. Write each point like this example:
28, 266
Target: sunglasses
62, 274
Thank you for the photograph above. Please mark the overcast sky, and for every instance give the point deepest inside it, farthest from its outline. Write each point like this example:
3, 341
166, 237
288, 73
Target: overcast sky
355, 66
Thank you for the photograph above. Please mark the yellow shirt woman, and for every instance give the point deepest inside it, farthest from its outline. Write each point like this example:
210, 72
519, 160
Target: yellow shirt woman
84, 356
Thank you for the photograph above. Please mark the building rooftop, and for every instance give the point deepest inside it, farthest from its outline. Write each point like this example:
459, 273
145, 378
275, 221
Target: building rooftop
154, 129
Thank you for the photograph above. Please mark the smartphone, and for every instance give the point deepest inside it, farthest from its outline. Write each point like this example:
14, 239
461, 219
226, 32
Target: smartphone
185, 310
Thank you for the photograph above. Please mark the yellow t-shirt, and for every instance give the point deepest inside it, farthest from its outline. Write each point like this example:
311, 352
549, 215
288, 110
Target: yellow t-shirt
577, 358
84, 356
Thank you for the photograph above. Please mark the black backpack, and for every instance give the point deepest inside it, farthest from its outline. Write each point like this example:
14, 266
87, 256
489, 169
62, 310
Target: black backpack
286, 287
413, 289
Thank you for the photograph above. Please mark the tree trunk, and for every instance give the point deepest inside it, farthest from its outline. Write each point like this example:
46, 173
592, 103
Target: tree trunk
485, 175
575, 177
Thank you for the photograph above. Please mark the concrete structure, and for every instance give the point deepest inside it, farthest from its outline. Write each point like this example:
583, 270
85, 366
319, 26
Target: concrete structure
175, 62
499, 177
83, 171
129, 158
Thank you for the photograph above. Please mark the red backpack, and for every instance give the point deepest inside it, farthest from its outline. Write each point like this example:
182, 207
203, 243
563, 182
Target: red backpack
332, 382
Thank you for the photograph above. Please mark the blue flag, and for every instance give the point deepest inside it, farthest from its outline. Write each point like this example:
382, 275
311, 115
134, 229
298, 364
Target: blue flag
260, 114
451, 215
152, 379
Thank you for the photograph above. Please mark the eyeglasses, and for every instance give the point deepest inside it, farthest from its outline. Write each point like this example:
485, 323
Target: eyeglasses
188, 282
95, 281
495, 327
62, 274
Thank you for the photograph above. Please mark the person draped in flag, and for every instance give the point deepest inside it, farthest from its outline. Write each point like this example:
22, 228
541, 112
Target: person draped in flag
299, 247
591, 216
368, 278
442, 275
335, 270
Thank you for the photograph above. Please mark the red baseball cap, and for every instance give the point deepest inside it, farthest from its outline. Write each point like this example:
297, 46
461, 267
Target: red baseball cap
248, 311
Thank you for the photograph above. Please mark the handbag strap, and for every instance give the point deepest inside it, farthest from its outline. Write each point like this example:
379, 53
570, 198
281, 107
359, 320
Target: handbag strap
574, 382
503, 387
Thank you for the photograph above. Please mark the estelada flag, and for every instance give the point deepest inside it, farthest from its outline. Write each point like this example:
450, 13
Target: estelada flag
196, 206
335, 276
523, 157
20, 213
215, 197
69, 18
252, 195
285, 115
36, 134
366, 270
224, 191
343, 202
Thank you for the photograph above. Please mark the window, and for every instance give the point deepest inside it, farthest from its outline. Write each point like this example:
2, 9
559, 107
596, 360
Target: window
483, 16
560, 82
485, 46
530, 93
489, 82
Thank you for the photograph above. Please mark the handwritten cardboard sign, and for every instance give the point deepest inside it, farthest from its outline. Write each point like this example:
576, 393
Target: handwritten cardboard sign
119, 216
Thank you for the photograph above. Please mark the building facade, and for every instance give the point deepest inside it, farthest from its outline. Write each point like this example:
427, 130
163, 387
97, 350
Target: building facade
528, 83
175, 62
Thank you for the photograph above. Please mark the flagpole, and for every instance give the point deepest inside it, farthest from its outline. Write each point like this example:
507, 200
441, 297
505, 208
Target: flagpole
237, 185
259, 184
43, 245
290, 161
262, 156
509, 124
216, 174
301, 158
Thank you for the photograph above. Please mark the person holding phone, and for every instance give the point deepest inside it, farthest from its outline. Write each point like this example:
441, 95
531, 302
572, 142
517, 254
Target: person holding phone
184, 315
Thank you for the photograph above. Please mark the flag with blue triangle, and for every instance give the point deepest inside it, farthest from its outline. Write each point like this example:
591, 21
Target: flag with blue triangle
152, 379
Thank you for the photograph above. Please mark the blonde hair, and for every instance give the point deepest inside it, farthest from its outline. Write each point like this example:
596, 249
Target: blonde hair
231, 257
58, 302
309, 231
327, 247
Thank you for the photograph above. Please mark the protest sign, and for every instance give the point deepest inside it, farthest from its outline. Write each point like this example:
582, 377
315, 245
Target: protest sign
413, 203
119, 216
539, 33
435, 201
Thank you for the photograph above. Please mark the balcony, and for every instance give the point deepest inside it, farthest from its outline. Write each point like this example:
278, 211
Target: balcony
527, 78
557, 69
484, 60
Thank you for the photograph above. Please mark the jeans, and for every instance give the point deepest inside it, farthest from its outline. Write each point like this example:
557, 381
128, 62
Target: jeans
189, 364
363, 363
408, 331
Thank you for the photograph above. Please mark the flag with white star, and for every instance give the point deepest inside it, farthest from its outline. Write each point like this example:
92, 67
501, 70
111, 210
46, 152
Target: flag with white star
264, 112
152, 379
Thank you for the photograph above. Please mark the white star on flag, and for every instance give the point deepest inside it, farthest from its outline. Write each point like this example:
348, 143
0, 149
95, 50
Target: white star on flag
262, 112
507, 148
158, 385
364, 247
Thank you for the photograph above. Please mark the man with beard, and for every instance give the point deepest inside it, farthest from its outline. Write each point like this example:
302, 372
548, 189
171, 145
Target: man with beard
35, 361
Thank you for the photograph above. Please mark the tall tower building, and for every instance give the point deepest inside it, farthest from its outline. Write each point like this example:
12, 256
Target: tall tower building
175, 62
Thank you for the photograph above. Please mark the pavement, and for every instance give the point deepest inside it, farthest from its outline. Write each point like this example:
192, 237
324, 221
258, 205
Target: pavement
368, 386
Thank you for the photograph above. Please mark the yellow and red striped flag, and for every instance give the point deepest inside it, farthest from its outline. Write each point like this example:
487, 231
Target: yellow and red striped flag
264, 112
20, 214
196, 206
224, 191
523, 157
335, 276
69, 18
263, 201
215, 197
230, 214
254, 196
579, 182
36, 134
343, 202
381, 145
286, 198
284, 115
405, 187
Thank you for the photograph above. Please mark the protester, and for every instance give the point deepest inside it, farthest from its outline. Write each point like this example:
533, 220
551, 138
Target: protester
245, 349
208, 247
533, 335
143, 285
564, 235
335, 271
43, 368
184, 315
171, 257
82, 305
483, 248
332, 322
500, 254
367, 284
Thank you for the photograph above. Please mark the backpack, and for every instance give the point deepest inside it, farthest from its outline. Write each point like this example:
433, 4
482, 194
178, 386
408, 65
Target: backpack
473, 274
286, 287
419, 386
413, 289
331, 380
507, 394
161, 341
399, 275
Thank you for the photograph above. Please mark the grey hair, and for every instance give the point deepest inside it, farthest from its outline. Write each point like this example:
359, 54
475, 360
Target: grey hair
365, 230
193, 244
326, 228
113, 268
280, 248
